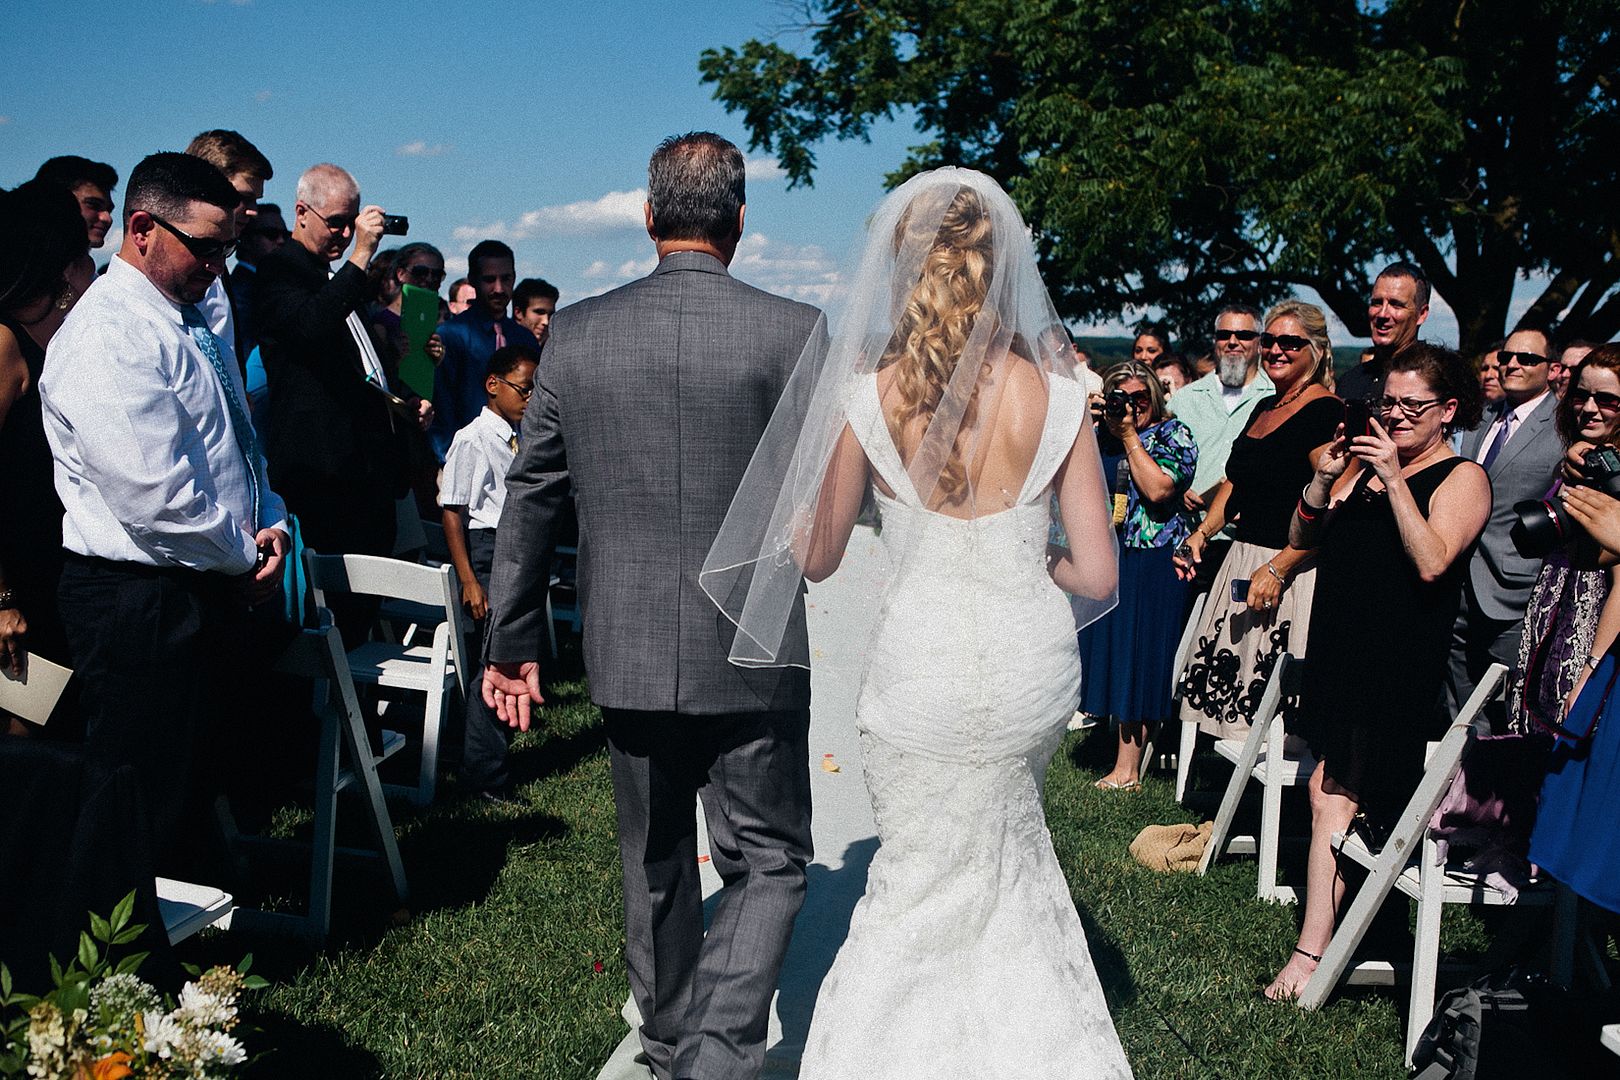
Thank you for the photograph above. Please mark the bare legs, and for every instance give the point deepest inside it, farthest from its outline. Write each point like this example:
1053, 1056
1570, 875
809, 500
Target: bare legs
1127, 771
1324, 890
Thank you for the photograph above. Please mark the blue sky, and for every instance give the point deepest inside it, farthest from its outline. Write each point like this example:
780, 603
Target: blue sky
531, 122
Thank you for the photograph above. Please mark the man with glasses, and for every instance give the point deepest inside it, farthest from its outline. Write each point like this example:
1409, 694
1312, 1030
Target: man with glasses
1519, 447
1398, 306
171, 528
1216, 407
339, 417
471, 338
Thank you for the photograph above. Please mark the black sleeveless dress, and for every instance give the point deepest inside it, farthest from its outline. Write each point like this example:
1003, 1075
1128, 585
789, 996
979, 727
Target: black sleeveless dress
30, 512
1371, 698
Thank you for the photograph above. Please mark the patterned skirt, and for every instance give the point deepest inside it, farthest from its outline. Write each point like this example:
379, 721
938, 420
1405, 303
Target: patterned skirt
1560, 624
1235, 648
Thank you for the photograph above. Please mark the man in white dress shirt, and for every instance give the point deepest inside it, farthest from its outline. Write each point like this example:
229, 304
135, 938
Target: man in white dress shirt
170, 528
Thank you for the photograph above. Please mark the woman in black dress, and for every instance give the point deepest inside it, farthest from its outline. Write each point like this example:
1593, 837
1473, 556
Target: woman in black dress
44, 267
1393, 514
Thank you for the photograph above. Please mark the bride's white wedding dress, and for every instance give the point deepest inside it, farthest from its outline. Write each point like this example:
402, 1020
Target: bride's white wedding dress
965, 958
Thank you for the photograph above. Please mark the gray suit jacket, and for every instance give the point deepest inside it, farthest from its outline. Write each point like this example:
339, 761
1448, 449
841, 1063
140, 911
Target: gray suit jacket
650, 400
1500, 577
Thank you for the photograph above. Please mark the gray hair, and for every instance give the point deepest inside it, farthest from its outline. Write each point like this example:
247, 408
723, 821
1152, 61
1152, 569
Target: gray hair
325, 182
696, 186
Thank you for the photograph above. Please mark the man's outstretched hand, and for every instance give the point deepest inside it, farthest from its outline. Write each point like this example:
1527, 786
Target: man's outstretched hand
513, 690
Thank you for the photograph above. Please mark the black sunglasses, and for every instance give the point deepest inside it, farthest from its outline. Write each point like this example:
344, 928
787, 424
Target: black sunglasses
424, 272
525, 392
1286, 342
1606, 402
206, 250
337, 222
1523, 359
1244, 336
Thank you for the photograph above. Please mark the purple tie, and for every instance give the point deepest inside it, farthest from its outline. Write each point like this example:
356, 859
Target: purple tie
1500, 440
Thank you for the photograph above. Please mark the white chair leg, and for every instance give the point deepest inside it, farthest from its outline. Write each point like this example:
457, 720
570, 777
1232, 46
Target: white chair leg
1189, 740
1426, 950
1271, 815
1242, 773
427, 775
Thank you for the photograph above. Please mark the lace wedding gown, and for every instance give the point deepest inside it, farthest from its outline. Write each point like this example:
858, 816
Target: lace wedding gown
965, 958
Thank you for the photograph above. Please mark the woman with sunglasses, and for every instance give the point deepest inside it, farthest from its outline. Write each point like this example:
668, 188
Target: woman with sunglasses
44, 267
1148, 460
1393, 515
1260, 604
1574, 611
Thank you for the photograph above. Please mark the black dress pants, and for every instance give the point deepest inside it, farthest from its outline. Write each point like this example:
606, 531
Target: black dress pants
486, 740
154, 650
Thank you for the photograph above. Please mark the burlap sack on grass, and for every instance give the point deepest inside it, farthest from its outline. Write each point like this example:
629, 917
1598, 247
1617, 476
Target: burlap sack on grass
1171, 847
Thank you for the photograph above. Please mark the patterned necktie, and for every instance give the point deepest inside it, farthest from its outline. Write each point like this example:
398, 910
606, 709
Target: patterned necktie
512, 442
1500, 441
246, 441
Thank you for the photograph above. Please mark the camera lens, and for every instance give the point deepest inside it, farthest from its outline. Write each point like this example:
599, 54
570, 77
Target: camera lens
1538, 529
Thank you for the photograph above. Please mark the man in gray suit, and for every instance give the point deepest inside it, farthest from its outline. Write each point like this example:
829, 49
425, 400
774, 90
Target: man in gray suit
651, 400
1520, 449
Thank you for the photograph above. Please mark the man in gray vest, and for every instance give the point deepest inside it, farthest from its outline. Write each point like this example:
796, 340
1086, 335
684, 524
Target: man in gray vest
650, 401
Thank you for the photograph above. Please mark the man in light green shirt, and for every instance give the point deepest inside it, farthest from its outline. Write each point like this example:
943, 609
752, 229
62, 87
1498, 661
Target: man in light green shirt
1216, 407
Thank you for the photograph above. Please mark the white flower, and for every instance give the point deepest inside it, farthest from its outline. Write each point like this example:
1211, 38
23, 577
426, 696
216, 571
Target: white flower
120, 997
199, 1008
212, 1048
163, 1033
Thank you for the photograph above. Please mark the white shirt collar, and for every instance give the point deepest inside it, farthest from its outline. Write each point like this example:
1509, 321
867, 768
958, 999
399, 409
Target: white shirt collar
137, 286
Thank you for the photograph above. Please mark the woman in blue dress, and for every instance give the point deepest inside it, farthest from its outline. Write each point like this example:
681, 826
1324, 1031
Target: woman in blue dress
1148, 460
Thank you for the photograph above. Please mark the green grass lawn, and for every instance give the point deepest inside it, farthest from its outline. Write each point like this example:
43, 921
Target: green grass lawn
494, 971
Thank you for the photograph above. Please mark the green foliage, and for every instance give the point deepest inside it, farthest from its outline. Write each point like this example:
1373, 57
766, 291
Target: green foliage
1171, 153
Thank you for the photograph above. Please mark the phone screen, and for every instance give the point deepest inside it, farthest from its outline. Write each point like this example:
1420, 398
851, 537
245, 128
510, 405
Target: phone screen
1240, 591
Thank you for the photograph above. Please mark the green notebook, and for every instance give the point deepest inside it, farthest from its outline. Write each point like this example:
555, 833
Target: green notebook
419, 317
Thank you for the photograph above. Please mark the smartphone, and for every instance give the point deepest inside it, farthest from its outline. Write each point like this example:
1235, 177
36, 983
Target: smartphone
1240, 591
1183, 552
1357, 415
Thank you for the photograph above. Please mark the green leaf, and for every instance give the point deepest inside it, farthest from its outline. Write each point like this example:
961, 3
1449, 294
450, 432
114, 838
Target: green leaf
255, 982
88, 953
5, 983
100, 928
245, 965
122, 912
128, 964
127, 936
56, 970
193, 970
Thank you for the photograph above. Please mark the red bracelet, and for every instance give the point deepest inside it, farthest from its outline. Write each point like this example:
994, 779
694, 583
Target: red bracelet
1306, 513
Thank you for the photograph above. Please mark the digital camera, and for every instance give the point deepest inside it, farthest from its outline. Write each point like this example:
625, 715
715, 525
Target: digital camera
1543, 524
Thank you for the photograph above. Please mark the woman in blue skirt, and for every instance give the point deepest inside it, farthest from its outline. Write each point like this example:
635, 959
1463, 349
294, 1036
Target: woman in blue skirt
1126, 656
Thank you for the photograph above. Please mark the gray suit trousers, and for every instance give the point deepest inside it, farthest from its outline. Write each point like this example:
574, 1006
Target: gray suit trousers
705, 1001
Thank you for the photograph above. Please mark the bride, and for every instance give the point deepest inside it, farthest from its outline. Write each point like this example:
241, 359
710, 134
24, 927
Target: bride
947, 391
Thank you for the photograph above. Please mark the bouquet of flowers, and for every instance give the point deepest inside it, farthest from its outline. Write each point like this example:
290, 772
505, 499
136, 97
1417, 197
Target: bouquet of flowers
102, 1022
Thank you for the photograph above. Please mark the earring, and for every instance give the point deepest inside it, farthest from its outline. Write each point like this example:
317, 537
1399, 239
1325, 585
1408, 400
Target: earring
65, 301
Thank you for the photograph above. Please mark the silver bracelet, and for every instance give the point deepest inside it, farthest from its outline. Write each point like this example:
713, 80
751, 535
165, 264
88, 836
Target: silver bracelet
1305, 497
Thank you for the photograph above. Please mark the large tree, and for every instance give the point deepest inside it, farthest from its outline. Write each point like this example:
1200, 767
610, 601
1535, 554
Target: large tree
1169, 153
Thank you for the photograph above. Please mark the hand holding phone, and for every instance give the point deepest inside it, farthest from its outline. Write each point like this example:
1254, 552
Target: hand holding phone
1240, 591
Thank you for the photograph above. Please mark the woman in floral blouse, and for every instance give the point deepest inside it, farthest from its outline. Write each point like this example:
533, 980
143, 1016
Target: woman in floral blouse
1148, 460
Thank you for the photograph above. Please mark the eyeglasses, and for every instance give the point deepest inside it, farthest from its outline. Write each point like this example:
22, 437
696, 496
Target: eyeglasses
525, 392
424, 272
1606, 402
201, 248
1244, 336
1285, 342
1523, 359
1411, 408
338, 223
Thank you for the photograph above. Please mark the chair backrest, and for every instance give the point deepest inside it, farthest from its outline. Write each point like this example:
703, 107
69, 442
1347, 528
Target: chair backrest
1184, 648
375, 575
318, 655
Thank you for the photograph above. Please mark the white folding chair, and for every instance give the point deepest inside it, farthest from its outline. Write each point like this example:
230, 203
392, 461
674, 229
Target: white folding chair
186, 908
437, 670
1408, 861
1260, 758
344, 760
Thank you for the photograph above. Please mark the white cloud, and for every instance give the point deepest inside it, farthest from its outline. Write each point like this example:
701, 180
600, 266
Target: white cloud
421, 148
617, 211
597, 269
263, 96
5, 119
763, 168
804, 272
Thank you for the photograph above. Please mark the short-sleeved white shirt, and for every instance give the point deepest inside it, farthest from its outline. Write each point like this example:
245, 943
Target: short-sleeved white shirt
475, 468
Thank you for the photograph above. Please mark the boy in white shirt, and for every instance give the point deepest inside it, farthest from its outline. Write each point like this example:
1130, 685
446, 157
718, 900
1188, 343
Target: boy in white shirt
472, 490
